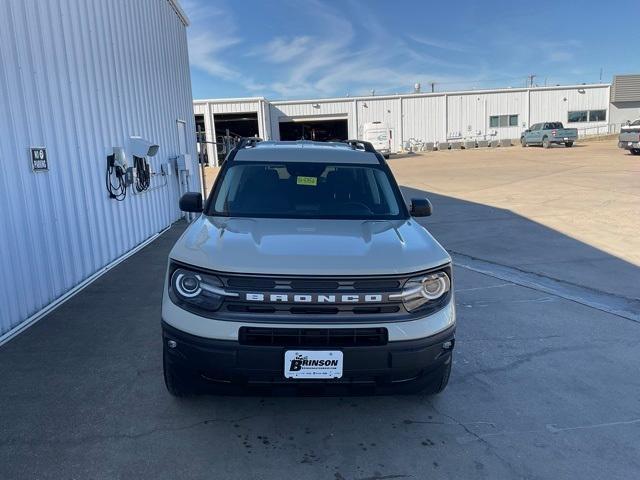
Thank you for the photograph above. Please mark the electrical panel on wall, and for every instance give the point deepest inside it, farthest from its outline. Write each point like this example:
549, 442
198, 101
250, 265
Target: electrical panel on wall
121, 174
183, 163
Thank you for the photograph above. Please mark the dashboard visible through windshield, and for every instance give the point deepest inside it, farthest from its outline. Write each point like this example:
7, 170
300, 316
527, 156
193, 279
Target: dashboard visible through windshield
307, 190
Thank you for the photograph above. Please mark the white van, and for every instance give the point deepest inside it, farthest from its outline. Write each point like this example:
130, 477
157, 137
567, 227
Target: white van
379, 135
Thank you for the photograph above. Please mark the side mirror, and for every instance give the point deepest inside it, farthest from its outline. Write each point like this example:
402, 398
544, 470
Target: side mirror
191, 202
527, 131
421, 207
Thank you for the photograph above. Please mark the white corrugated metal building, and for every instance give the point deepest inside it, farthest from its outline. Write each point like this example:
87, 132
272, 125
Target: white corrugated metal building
625, 98
77, 78
429, 117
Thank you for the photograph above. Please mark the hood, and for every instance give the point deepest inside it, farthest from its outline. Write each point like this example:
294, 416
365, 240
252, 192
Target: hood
309, 246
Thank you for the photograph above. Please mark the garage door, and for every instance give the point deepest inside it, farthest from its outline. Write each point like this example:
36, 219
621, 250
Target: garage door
320, 130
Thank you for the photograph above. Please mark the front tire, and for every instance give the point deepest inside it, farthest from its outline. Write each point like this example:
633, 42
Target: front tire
443, 380
635, 151
568, 144
545, 142
429, 384
179, 381
523, 142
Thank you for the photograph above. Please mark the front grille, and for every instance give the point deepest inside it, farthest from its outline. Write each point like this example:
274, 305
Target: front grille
309, 285
278, 284
242, 307
313, 337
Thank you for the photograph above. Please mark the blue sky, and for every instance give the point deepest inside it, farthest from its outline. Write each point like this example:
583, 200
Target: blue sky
291, 49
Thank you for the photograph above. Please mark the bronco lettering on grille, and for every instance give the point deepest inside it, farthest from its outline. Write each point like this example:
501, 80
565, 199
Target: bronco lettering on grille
315, 298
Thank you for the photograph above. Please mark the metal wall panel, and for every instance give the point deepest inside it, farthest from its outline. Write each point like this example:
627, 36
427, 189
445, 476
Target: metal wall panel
554, 105
622, 113
236, 107
468, 114
625, 88
79, 77
423, 118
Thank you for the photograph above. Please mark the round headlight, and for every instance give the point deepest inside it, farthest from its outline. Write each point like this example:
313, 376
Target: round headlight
188, 284
434, 286
197, 290
419, 291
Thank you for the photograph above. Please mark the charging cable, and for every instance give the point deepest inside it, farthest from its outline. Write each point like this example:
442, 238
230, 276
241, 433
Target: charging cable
117, 190
143, 173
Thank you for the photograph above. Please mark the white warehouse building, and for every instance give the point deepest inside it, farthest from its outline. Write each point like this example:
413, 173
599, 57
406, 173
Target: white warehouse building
84, 83
429, 117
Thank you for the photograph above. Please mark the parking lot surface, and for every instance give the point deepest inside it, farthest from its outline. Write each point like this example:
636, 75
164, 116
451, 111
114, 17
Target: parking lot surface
544, 384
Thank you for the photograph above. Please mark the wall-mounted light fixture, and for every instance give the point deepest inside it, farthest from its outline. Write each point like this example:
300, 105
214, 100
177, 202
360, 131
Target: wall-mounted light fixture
581, 90
316, 105
364, 105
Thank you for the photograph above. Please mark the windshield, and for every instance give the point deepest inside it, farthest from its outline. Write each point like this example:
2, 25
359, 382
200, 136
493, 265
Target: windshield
307, 190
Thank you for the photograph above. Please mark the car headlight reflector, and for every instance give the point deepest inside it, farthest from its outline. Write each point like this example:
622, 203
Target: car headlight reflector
196, 290
420, 290
188, 284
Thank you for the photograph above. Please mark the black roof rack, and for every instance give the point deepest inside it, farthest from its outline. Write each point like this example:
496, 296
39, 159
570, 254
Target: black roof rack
366, 146
245, 142
361, 145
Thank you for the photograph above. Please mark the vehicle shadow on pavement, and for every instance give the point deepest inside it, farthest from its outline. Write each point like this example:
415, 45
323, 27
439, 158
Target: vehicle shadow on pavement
506, 238
541, 386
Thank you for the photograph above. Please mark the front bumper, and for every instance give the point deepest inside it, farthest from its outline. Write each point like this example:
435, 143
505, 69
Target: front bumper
229, 362
629, 145
412, 329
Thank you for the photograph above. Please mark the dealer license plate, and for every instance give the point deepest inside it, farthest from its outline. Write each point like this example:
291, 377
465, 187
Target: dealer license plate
313, 364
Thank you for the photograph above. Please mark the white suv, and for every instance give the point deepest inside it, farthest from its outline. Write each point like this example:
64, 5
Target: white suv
306, 267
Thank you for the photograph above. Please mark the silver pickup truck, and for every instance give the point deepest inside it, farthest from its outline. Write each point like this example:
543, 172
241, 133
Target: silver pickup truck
629, 138
546, 134
306, 267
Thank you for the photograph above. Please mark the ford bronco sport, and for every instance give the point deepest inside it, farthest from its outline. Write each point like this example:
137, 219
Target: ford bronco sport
306, 267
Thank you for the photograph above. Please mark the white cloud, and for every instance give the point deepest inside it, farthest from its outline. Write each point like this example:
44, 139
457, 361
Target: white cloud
208, 45
561, 56
336, 63
338, 53
560, 51
204, 53
282, 50
440, 44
